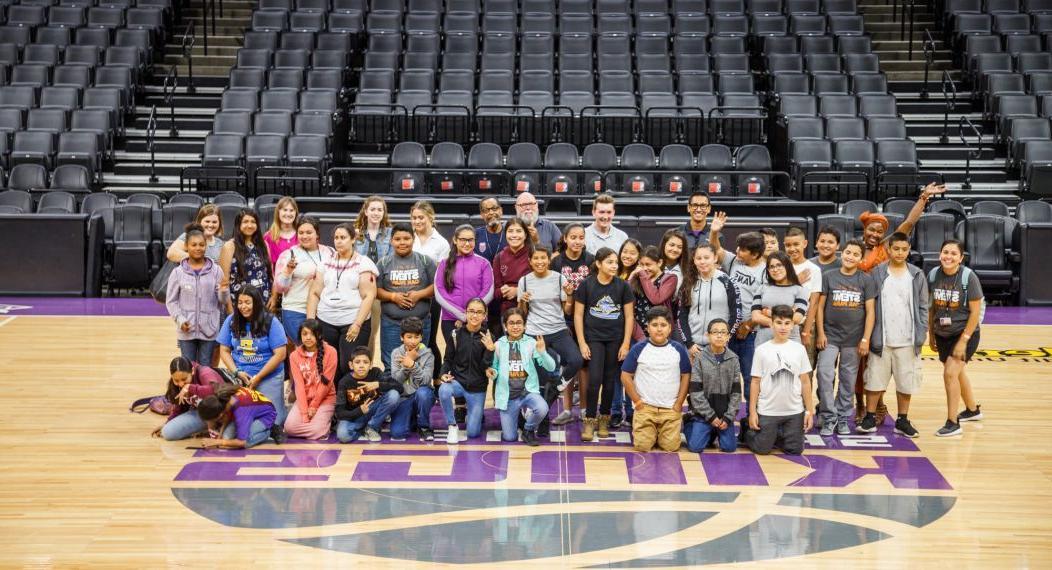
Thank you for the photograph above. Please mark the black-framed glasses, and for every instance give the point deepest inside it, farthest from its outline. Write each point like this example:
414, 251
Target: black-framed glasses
699, 206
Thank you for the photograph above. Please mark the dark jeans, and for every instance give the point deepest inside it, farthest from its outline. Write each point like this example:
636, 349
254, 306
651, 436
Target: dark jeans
197, 350
432, 337
569, 353
337, 336
785, 432
603, 372
744, 349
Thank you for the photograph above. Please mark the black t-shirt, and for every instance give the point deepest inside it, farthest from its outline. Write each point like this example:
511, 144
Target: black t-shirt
604, 317
516, 373
574, 271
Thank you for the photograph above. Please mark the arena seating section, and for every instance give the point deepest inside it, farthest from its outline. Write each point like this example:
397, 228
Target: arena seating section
1005, 48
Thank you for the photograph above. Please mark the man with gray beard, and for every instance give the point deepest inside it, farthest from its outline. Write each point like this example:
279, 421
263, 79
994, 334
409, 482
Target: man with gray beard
542, 232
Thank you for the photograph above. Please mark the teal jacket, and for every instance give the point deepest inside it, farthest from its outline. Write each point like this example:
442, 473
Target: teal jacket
529, 358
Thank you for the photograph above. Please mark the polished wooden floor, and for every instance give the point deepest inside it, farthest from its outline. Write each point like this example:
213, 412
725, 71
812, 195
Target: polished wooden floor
83, 484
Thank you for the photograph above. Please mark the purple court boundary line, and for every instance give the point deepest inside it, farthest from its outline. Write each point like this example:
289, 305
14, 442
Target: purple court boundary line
146, 307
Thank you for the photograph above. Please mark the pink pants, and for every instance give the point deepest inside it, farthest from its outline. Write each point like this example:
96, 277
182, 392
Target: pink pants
296, 425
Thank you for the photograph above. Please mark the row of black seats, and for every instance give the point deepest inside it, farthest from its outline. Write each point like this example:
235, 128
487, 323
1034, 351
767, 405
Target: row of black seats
582, 7
35, 178
561, 170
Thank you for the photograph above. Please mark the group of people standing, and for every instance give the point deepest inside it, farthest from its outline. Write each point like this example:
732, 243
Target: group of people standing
632, 332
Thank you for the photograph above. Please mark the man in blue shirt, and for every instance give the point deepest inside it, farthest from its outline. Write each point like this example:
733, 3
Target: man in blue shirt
489, 237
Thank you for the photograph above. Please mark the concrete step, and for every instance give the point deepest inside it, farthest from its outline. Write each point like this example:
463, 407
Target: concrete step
202, 62
904, 55
887, 36
199, 50
197, 13
888, 10
915, 65
232, 30
919, 75
886, 25
218, 40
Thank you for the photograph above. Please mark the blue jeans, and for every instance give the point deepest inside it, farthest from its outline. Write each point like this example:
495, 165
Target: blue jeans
476, 404
273, 387
622, 406
292, 320
183, 426
421, 403
197, 350
391, 337
509, 417
700, 432
259, 433
744, 349
349, 430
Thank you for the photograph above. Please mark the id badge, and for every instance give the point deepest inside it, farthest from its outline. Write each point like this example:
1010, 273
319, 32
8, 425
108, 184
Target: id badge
945, 321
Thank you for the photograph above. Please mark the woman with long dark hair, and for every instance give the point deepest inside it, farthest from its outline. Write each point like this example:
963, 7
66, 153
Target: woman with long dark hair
244, 259
707, 294
252, 345
343, 298
512, 262
461, 277
781, 287
297, 269
574, 263
312, 367
188, 384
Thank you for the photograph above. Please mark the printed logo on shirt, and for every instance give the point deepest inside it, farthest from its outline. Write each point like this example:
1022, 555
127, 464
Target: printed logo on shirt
846, 298
247, 346
404, 277
947, 298
516, 367
575, 277
605, 308
743, 278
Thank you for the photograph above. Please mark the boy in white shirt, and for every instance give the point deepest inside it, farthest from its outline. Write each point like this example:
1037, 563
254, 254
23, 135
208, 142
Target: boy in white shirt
780, 406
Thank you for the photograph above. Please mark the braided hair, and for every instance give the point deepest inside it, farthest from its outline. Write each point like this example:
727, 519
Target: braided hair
314, 327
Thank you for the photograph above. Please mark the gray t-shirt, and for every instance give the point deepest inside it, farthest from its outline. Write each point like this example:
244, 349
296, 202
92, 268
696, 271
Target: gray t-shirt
947, 294
212, 250
845, 305
546, 310
772, 295
708, 302
750, 280
413, 272
835, 264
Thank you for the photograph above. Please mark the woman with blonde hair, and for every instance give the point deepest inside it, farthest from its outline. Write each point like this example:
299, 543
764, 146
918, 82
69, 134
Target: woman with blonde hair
212, 223
281, 235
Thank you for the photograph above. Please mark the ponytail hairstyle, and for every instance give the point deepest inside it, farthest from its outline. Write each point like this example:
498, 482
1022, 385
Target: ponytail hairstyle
561, 248
178, 364
194, 229
451, 260
512, 312
600, 256
212, 407
314, 327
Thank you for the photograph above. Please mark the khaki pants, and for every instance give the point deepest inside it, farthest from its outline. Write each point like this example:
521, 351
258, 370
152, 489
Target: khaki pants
652, 425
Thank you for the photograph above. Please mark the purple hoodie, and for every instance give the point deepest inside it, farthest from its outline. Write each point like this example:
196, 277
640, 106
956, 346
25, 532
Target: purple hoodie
194, 297
473, 277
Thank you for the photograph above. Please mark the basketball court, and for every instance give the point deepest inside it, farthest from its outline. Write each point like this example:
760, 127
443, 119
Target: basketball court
84, 484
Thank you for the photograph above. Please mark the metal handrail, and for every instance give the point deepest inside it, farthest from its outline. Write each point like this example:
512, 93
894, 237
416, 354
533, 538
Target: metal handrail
171, 82
189, 39
151, 134
962, 124
949, 95
929, 59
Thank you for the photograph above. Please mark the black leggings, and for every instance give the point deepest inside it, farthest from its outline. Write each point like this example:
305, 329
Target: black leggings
337, 336
602, 372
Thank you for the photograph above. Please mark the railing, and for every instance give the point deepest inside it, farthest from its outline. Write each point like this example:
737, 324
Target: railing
949, 95
208, 6
837, 186
963, 125
151, 134
171, 82
907, 12
904, 184
189, 39
929, 59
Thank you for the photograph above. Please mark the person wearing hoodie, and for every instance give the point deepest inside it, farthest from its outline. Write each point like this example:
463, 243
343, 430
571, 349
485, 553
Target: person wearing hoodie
512, 263
313, 369
195, 299
412, 364
516, 383
707, 294
468, 354
461, 277
188, 384
899, 333
715, 392
365, 397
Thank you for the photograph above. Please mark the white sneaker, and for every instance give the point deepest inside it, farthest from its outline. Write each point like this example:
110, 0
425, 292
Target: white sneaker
453, 435
563, 418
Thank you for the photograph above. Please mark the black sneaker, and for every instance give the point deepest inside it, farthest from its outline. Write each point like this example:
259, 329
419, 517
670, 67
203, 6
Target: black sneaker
530, 437
904, 427
949, 430
970, 415
277, 434
615, 422
426, 434
868, 424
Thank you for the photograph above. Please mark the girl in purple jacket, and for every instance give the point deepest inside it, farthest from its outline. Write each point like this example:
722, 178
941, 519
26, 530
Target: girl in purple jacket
461, 277
195, 299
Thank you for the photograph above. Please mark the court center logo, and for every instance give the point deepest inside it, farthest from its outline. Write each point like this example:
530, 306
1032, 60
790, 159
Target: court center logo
490, 503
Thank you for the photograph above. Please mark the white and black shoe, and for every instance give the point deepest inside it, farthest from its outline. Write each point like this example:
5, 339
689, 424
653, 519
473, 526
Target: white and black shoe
970, 415
950, 429
904, 427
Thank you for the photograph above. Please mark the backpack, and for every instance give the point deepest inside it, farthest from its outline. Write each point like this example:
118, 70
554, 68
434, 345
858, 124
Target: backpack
156, 404
966, 276
526, 288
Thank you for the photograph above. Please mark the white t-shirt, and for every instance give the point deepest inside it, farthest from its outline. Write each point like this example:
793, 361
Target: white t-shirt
779, 366
309, 265
896, 305
435, 246
594, 241
814, 281
657, 370
546, 303
340, 297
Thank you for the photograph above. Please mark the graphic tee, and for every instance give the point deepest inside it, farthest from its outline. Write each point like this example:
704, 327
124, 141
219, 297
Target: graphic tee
845, 305
516, 372
604, 316
779, 366
948, 300
398, 274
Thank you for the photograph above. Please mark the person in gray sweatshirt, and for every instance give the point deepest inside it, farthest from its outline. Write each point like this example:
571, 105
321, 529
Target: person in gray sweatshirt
412, 364
899, 332
195, 300
715, 393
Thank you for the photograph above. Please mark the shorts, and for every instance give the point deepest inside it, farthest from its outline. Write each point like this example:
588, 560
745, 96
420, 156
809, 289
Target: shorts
945, 345
902, 363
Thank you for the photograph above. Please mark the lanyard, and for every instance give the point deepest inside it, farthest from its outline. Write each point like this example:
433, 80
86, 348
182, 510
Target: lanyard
341, 269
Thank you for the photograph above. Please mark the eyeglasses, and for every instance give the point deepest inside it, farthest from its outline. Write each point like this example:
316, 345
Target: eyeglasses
515, 323
526, 204
776, 266
699, 206
466, 240
476, 312
492, 209
719, 333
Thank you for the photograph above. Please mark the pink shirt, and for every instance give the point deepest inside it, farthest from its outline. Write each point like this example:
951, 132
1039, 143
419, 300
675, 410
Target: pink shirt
278, 247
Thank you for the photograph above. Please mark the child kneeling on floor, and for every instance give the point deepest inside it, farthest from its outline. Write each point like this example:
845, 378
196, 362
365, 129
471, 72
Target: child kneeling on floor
715, 393
239, 418
780, 405
516, 383
655, 375
365, 397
